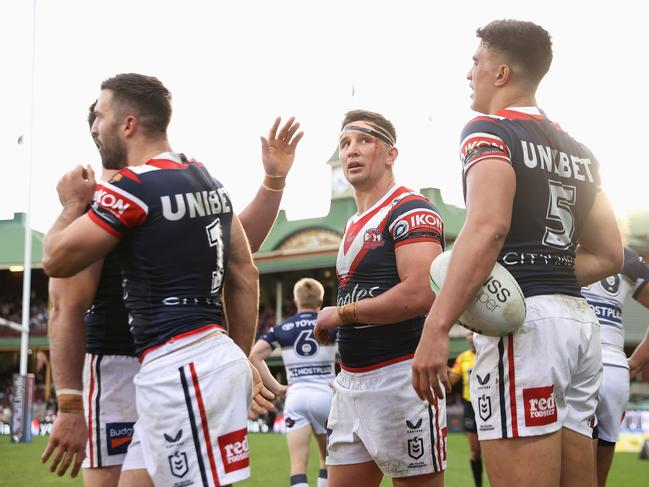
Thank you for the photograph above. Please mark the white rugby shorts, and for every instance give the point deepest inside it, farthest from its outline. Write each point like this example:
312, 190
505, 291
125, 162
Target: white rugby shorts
193, 415
377, 416
541, 378
308, 404
612, 401
109, 407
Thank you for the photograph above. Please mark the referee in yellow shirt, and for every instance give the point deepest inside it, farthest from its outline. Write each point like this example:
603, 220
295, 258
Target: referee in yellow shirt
461, 371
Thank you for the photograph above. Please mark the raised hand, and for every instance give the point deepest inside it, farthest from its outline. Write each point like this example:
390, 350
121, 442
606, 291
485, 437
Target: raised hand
278, 150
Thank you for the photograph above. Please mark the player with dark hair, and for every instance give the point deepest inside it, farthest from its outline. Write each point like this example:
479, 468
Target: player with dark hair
461, 372
310, 371
377, 424
535, 205
607, 298
172, 291
110, 363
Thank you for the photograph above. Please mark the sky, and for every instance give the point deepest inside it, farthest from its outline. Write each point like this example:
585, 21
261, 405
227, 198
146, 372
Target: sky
233, 66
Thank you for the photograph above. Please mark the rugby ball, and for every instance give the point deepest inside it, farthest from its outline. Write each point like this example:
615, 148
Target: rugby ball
499, 306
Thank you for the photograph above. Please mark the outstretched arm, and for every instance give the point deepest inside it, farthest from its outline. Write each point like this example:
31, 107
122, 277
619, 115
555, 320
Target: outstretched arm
277, 154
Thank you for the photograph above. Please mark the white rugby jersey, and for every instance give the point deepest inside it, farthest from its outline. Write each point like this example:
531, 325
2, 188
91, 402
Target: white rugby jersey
607, 298
305, 360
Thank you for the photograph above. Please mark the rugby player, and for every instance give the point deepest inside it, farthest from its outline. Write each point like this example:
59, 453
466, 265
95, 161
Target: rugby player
534, 203
607, 298
461, 371
377, 424
181, 246
310, 371
110, 362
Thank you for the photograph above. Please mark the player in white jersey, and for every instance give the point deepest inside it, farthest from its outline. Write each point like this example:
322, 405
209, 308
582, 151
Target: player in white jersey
377, 424
310, 372
607, 298
534, 204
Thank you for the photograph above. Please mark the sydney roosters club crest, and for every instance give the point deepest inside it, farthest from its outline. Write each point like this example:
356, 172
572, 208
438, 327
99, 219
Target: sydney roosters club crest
372, 239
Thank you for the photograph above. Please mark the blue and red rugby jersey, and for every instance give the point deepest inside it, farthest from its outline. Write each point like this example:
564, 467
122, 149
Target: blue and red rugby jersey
367, 267
173, 220
557, 179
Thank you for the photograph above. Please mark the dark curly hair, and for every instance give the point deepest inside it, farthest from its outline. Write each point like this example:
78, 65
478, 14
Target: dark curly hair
526, 44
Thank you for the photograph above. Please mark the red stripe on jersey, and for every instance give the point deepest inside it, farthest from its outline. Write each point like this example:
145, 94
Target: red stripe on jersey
417, 239
127, 173
488, 157
494, 142
355, 227
206, 429
125, 209
516, 115
377, 365
112, 230
166, 164
512, 384
90, 422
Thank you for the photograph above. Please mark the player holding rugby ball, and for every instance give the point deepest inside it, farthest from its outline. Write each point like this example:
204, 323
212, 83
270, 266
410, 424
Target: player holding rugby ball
534, 203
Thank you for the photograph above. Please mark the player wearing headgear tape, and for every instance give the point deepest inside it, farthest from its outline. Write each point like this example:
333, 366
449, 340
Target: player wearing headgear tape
377, 425
534, 203
172, 292
607, 298
310, 371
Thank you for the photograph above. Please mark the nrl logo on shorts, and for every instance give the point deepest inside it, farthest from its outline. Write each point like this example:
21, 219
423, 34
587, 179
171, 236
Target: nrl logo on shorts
484, 407
415, 448
178, 464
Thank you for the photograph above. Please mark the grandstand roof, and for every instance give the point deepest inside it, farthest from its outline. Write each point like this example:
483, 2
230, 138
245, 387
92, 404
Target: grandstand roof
12, 247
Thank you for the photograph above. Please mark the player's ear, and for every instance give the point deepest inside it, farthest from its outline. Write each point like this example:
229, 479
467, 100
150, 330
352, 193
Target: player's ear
130, 126
503, 74
393, 152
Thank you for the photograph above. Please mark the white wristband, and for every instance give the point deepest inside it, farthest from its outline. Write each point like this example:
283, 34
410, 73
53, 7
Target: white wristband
72, 392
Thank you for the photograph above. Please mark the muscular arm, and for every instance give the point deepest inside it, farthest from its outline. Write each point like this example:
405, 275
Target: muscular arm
640, 356
260, 352
491, 186
241, 290
73, 243
409, 298
600, 253
259, 216
69, 300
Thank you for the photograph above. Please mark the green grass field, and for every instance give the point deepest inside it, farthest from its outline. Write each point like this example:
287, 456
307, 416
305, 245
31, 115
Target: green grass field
20, 465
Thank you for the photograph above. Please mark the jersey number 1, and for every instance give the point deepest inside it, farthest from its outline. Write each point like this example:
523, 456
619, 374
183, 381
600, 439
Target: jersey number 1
215, 239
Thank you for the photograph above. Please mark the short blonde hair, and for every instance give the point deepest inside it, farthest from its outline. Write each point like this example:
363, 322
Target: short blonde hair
308, 293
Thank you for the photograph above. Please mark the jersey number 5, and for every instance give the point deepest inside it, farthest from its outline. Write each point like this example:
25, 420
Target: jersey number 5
562, 199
